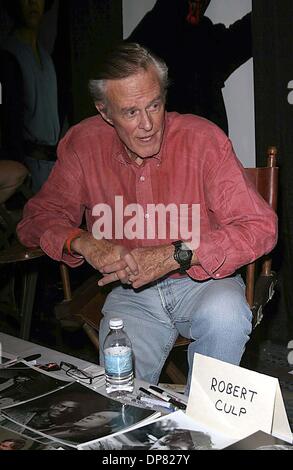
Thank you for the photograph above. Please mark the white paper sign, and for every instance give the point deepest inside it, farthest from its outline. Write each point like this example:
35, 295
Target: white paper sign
236, 401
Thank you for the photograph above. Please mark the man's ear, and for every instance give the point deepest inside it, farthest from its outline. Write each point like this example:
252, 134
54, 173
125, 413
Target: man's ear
103, 112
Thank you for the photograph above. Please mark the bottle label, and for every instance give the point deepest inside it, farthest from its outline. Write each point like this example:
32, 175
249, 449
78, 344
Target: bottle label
118, 360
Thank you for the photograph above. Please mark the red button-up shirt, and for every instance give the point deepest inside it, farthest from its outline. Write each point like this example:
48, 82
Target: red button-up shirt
196, 165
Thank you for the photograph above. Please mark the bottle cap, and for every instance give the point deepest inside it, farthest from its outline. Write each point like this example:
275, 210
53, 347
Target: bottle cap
116, 323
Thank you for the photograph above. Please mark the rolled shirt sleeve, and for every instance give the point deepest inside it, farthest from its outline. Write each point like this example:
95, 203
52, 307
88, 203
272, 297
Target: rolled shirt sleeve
245, 226
50, 216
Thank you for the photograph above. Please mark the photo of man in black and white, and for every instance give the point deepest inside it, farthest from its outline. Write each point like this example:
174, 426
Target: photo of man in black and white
20, 383
76, 414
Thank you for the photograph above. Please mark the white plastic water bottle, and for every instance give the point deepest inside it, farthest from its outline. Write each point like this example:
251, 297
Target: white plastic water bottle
118, 359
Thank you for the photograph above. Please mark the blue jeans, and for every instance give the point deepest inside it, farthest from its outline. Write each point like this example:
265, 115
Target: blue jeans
213, 313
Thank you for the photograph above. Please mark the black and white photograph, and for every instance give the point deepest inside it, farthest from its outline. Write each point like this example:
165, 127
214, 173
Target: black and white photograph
20, 383
48, 443
260, 441
173, 432
158, 437
76, 414
10, 440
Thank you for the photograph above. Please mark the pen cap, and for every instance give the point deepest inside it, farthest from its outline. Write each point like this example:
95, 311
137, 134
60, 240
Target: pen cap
31, 358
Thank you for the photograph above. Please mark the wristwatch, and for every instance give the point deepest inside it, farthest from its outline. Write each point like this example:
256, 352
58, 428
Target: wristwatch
183, 255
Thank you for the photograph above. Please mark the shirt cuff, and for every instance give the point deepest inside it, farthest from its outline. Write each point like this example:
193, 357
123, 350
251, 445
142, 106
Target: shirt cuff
211, 257
52, 243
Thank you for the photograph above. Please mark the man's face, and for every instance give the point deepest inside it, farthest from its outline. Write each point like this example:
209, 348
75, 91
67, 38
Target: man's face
136, 110
7, 445
31, 12
96, 419
64, 408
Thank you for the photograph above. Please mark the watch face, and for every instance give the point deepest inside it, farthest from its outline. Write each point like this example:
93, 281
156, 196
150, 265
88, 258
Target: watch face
184, 255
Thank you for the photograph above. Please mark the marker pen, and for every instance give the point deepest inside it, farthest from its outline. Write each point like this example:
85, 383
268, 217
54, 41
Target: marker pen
167, 394
168, 399
154, 402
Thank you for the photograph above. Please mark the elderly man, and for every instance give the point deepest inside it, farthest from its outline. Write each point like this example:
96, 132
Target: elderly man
170, 216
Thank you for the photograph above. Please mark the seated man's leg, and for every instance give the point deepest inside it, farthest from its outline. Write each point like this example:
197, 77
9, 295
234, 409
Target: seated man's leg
220, 321
146, 323
12, 175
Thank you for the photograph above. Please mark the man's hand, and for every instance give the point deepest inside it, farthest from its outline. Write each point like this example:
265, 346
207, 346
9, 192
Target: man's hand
99, 253
153, 263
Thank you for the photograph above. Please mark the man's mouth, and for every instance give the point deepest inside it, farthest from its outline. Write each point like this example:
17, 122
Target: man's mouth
146, 139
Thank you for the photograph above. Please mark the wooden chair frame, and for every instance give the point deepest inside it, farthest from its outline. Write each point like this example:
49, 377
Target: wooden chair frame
260, 291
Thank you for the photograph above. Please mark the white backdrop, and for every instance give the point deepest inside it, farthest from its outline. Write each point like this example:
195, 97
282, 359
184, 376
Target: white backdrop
238, 92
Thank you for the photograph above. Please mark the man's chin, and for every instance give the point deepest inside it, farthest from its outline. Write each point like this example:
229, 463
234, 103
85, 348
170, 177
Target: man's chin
149, 153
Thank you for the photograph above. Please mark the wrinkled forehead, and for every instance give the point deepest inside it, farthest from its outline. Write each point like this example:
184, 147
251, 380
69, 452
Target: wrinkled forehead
144, 84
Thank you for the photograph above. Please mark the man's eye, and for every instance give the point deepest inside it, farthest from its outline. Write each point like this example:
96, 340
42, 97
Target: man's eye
131, 113
155, 106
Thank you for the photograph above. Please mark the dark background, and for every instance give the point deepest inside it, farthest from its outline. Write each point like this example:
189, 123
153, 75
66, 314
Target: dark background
273, 52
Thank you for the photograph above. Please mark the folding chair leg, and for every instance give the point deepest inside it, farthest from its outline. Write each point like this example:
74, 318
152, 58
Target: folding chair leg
92, 334
175, 374
27, 304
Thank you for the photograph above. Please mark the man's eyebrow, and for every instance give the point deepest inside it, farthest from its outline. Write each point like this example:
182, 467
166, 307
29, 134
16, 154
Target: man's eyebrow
126, 110
134, 108
158, 98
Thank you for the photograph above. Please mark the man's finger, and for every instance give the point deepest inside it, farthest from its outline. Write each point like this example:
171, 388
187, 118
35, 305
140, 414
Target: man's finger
108, 279
123, 276
127, 262
113, 267
131, 263
137, 284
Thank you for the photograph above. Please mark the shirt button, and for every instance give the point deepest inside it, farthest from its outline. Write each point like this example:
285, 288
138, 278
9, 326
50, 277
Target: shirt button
147, 216
142, 179
217, 275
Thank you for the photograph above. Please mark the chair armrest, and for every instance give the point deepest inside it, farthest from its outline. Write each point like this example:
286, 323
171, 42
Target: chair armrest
264, 291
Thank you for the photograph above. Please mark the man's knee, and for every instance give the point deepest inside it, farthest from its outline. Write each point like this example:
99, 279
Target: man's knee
226, 310
13, 174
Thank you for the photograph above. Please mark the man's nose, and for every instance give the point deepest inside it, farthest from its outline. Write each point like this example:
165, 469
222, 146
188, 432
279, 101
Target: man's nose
146, 122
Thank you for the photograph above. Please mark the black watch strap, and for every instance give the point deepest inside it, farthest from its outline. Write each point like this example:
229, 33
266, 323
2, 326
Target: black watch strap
182, 255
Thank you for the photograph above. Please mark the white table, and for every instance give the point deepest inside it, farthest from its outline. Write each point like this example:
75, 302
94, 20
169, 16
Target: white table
23, 348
